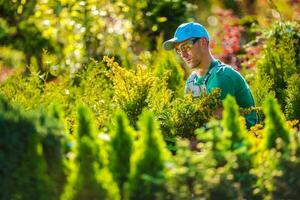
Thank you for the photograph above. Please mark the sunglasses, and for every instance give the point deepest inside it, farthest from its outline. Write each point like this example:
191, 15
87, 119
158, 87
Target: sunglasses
187, 46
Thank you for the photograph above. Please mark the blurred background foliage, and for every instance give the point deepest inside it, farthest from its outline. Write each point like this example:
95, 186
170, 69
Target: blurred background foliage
60, 36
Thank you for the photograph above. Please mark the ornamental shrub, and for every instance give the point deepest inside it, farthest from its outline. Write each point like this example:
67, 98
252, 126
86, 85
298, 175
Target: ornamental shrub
292, 108
54, 142
275, 127
131, 88
276, 67
166, 65
89, 177
22, 166
277, 162
217, 165
120, 150
235, 139
147, 173
187, 114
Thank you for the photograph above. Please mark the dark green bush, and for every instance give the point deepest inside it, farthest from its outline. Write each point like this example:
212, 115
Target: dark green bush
120, 151
23, 170
54, 142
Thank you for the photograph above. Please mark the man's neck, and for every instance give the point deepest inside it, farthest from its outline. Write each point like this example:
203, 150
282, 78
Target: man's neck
203, 68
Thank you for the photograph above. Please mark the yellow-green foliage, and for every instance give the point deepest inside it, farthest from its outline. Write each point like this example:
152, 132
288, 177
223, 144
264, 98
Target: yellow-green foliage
276, 132
276, 67
292, 107
165, 62
136, 89
277, 161
235, 139
187, 114
89, 85
25, 91
131, 88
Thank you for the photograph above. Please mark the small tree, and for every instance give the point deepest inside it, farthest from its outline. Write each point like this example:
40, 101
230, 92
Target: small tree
293, 98
148, 162
53, 142
121, 150
234, 139
278, 161
275, 127
23, 168
90, 178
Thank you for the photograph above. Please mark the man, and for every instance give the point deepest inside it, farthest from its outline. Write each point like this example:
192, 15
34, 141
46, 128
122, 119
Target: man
191, 42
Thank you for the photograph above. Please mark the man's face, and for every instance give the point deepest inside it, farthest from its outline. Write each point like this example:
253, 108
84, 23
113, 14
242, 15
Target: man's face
190, 51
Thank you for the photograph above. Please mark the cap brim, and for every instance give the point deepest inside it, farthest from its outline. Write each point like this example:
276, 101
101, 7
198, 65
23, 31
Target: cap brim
170, 44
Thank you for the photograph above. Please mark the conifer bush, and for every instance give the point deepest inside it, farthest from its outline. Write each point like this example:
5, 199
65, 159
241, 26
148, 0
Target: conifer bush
186, 173
277, 162
89, 177
165, 63
131, 88
23, 168
54, 140
147, 173
292, 107
276, 67
275, 127
120, 151
187, 114
235, 139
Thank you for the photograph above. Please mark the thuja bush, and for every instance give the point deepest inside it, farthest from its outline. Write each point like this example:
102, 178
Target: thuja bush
25, 91
166, 65
292, 107
235, 139
135, 89
90, 85
228, 149
276, 67
186, 173
278, 160
120, 151
95, 89
89, 177
23, 168
54, 141
188, 113
147, 173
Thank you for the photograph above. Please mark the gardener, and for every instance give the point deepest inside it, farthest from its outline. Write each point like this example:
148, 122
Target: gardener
191, 42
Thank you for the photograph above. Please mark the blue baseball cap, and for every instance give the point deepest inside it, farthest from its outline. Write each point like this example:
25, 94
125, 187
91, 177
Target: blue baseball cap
186, 31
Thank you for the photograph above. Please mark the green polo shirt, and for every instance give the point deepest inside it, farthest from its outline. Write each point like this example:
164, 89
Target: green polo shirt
229, 81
